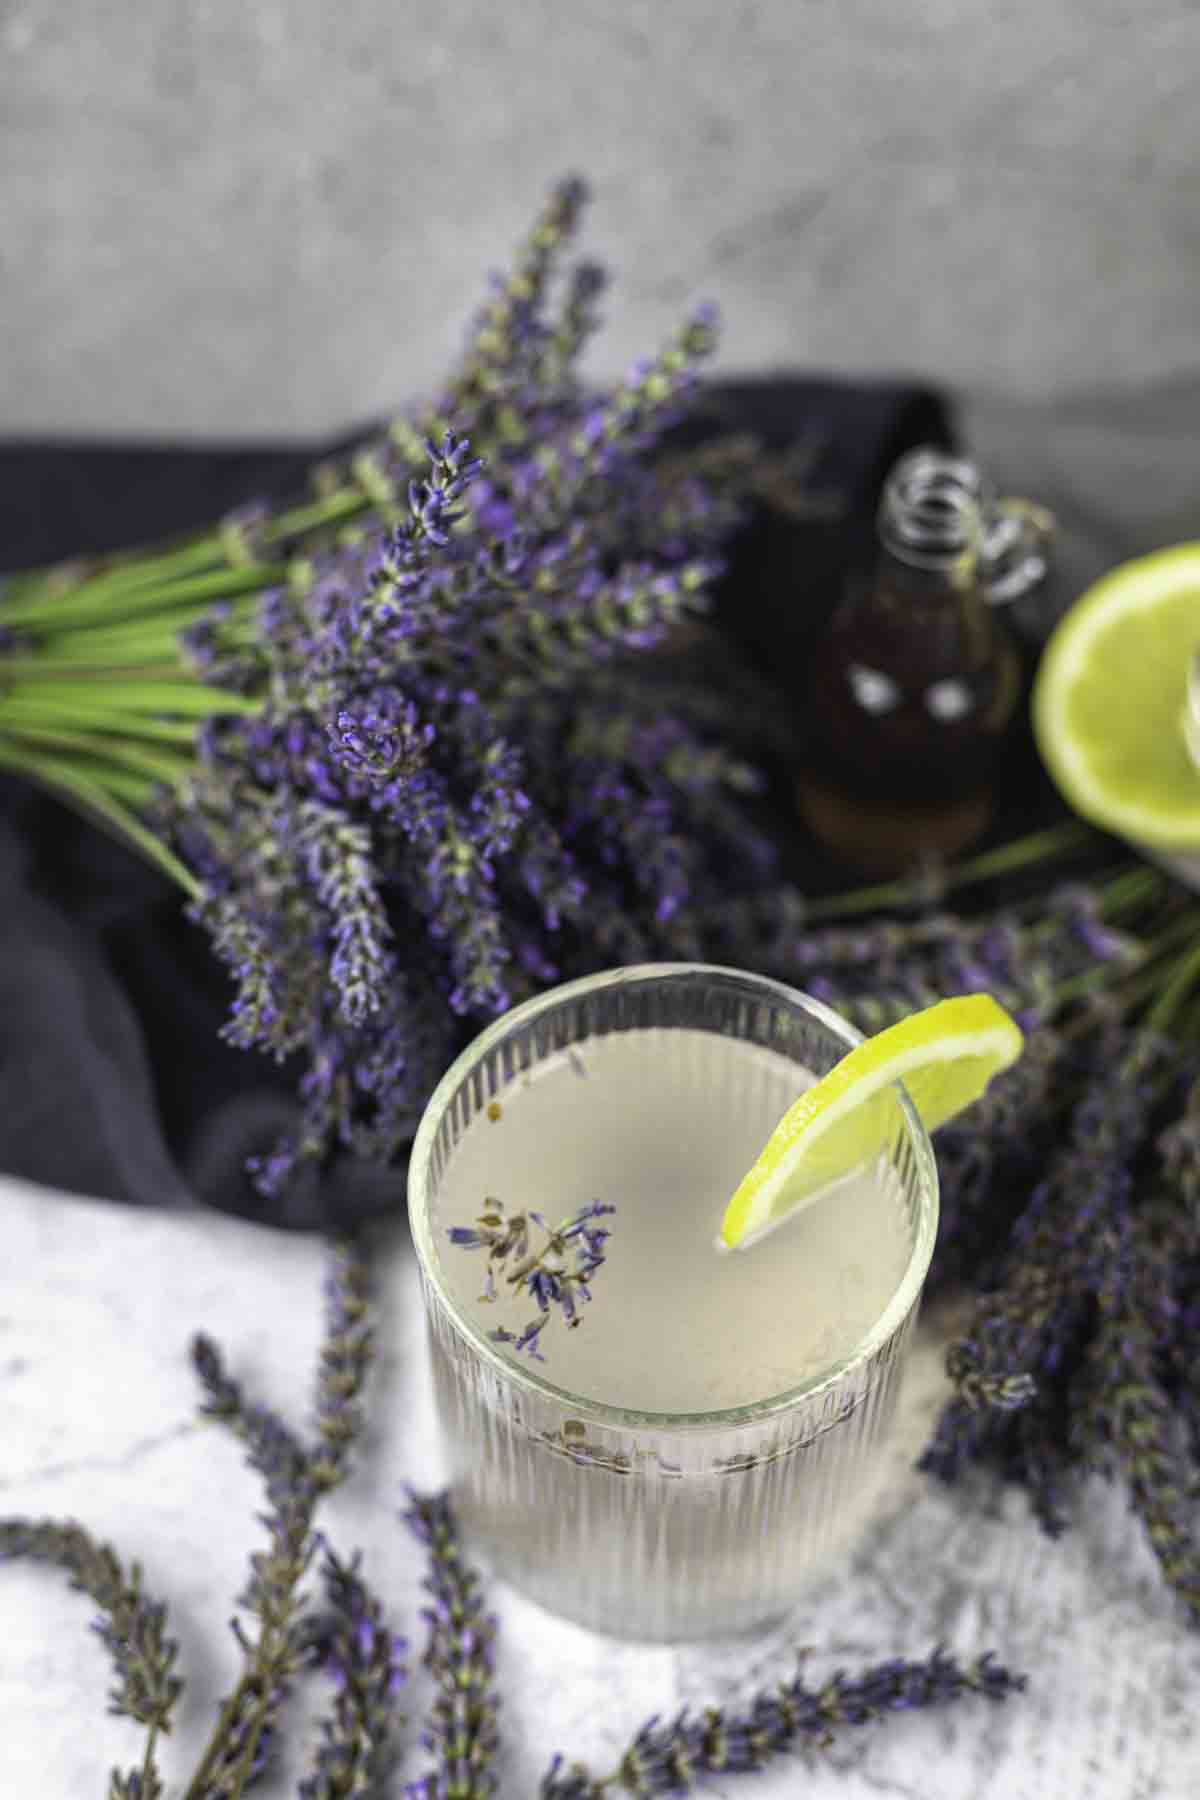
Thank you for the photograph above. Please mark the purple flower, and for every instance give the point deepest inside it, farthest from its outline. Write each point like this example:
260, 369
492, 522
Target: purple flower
364, 1662
556, 1277
461, 1731
670, 1757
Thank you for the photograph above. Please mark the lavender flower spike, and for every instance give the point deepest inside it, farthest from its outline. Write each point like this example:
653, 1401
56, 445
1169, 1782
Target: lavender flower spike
131, 1626
364, 1662
670, 1758
461, 1730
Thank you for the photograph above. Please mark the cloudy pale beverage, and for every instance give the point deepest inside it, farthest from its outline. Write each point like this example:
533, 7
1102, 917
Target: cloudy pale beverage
663, 1124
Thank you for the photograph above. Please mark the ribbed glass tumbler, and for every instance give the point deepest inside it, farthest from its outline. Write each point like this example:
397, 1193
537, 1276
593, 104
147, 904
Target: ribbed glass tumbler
651, 1523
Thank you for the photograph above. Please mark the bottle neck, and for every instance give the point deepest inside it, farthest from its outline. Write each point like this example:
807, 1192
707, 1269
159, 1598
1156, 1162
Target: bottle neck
930, 526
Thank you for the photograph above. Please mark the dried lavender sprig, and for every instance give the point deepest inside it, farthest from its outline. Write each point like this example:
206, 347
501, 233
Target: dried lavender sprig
1124, 1423
507, 332
578, 320
1063, 1239
272, 1449
345, 1359
545, 1275
296, 1480
249, 1729
989, 1159
671, 1758
1132, 1413
1178, 1247
1032, 1323
461, 1731
131, 1626
364, 1659
238, 1751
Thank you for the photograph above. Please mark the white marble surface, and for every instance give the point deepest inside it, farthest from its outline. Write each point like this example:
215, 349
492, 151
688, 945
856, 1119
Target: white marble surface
98, 1422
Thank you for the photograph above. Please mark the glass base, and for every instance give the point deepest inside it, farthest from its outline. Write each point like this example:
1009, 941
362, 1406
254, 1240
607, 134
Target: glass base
663, 1537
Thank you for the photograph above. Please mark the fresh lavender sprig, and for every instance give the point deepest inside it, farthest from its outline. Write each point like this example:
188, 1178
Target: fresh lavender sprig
989, 1159
1179, 1249
271, 1448
548, 1275
878, 970
364, 1660
1027, 1327
1124, 1423
131, 1626
511, 346
345, 1358
461, 1732
279, 1645
672, 1758
1133, 1411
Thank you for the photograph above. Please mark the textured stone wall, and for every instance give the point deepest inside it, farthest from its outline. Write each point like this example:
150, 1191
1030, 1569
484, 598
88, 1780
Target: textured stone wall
249, 216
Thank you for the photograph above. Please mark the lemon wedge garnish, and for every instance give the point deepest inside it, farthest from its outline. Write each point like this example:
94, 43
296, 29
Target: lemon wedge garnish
945, 1055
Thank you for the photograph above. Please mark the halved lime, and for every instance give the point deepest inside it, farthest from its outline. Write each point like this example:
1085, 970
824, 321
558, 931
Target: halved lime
1110, 702
945, 1055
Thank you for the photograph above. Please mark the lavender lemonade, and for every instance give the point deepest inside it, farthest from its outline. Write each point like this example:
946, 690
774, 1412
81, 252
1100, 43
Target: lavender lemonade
677, 1460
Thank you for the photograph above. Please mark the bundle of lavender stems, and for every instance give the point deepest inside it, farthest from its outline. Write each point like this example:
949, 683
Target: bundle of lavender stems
404, 747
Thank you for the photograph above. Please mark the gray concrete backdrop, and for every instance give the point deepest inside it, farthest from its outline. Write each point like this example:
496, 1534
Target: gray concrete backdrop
272, 216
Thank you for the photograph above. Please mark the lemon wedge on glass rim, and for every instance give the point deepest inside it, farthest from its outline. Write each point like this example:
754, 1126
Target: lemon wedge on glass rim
945, 1055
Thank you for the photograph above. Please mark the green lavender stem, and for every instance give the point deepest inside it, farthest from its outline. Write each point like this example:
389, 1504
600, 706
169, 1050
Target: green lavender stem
110, 648
96, 793
161, 765
1005, 859
192, 592
196, 572
149, 1769
1130, 889
17, 711
1183, 977
180, 695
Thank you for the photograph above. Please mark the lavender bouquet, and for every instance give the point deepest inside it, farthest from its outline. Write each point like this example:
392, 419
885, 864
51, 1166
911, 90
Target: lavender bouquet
406, 748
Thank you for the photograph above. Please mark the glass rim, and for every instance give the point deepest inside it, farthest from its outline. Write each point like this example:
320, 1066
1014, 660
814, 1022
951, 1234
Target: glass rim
626, 1418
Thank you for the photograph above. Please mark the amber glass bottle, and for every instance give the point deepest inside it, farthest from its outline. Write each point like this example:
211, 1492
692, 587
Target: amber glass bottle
909, 696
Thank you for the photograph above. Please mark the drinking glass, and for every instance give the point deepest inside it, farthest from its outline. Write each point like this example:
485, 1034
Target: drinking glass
643, 1523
